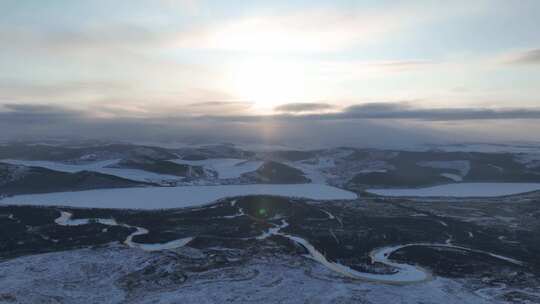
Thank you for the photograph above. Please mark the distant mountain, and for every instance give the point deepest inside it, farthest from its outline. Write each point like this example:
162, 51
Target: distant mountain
290, 155
162, 167
277, 173
415, 169
84, 153
214, 151
351, 168
24, 180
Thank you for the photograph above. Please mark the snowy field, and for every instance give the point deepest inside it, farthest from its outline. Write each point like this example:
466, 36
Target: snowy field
99, 166
173, 197
225, 167
462, 190
99, 276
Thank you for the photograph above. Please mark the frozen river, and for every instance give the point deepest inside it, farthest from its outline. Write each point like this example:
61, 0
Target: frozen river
174, 197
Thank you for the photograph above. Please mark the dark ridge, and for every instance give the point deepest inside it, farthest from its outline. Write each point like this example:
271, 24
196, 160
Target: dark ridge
41, 180
277, 173
162, 167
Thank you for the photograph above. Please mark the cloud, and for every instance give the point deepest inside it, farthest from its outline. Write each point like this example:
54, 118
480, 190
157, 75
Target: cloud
82, 39
527, 58
28, 122
396, 65
407, 111
312, 30
376, 108
221, 104
375, 124
170, 23
35, 91
308, 31
218, 107
17, 113
15, 116
390, 111
304, 107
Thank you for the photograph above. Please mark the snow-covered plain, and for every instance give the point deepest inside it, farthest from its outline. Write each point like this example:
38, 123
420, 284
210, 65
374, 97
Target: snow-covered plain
225, 167
56, 277
99, 166
462, 190
173, 197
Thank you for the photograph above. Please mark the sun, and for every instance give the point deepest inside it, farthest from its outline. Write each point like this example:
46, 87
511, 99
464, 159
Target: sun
267, 82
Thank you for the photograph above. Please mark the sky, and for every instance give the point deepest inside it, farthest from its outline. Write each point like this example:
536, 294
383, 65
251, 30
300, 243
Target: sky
452, 70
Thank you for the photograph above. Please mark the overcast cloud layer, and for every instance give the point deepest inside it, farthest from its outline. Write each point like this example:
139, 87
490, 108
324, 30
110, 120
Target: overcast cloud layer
271, 70
372, 125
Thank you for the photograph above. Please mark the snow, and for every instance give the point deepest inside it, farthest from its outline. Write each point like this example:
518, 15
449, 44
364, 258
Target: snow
315, 168
366, 171
330, 215
92, 275
239, 214
453, 177
311, 171
165, 246
530, 160
65, 220
388, 251
463, 166
405, 273
173, 197
410, 273
99, 166
273, 231
500, 169
225, 167
462, 190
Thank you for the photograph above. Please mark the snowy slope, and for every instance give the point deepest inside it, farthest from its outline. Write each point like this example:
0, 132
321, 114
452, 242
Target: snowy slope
99, 166
96, 275
225, 167
462, 190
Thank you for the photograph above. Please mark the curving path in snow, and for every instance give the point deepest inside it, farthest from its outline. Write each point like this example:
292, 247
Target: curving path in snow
65, 219
404, 273
384, 252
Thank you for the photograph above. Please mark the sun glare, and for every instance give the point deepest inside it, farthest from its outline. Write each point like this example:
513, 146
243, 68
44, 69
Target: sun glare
267, 82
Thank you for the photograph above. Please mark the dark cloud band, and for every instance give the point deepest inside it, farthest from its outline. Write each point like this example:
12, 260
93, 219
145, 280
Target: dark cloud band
303, 107
377, 124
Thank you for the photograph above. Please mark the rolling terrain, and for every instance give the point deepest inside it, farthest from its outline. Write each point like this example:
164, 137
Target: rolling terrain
200, 222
